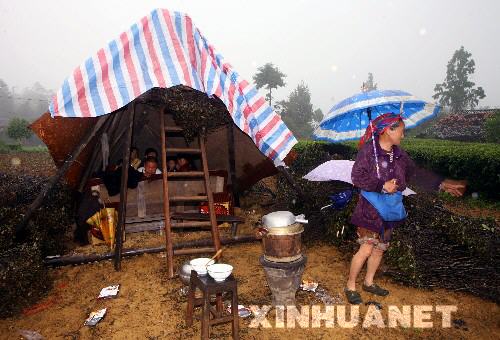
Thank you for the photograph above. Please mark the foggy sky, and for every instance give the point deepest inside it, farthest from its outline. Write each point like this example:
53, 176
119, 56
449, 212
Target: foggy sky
330, 45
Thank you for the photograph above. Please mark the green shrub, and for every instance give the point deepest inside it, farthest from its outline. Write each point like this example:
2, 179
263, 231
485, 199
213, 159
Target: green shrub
492, 126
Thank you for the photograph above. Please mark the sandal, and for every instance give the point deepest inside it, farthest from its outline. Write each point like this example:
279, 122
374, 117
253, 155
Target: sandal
353, 297
374, 289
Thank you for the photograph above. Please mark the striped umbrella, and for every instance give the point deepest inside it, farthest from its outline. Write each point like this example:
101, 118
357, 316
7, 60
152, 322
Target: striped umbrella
165, 49
348, 119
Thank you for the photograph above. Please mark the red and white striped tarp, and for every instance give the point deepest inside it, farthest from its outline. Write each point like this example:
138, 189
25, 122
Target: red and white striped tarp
165, 49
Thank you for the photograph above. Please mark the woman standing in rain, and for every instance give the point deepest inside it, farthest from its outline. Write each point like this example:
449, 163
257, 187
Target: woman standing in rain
381, 171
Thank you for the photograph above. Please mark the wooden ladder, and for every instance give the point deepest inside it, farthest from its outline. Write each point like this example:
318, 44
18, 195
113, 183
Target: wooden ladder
167, 199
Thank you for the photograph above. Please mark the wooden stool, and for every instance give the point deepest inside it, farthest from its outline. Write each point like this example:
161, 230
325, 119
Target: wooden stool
209, 287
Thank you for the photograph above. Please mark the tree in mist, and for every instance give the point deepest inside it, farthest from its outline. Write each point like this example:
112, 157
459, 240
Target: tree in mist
18, 129
6, 100
369, 84
269, 77
458, 91
317, 118
36, 100
297, 112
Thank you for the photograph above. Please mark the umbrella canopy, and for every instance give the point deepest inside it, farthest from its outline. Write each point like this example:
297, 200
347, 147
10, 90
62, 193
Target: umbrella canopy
338, 170
348, 119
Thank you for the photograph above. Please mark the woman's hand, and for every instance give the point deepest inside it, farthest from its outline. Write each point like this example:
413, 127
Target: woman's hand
391, 186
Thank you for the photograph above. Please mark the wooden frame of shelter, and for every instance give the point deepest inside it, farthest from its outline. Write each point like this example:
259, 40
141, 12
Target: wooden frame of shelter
120, 125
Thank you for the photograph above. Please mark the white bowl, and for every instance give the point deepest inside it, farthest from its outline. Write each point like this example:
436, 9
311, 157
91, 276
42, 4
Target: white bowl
200, 265
219, 271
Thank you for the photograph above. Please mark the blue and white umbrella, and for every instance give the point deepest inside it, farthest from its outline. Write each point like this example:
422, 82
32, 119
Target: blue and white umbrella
348, 119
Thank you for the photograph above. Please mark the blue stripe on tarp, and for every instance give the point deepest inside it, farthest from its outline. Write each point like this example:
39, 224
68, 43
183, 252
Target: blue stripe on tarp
167, 57
271, 139
264, 115
94, 92
210, 80
139, 51
117, 70
289, 140
68, 102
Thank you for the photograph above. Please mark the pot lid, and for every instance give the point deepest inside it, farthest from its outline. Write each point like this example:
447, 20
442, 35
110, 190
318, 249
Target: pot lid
281, 219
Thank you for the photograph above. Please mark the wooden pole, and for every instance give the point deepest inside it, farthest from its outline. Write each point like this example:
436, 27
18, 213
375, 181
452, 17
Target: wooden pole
122, 212
87, 258
62, 170
166, 198
292, 182
211, 208
232, 165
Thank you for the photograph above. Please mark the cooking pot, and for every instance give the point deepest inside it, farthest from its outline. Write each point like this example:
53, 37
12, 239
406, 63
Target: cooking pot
279, 219
282, 236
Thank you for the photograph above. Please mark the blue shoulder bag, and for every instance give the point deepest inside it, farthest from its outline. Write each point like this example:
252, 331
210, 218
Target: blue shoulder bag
389, 206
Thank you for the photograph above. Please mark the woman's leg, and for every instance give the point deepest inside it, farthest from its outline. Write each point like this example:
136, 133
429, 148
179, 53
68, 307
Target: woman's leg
358, 260
372, 265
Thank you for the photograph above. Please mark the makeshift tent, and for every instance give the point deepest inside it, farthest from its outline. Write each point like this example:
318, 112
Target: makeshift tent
163, 50
157, 63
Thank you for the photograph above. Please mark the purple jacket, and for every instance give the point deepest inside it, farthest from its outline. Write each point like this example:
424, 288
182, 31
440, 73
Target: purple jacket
364, 176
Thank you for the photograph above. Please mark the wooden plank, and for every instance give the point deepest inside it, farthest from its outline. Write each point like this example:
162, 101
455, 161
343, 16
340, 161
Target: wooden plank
199, 198
60, 172
145, 226
191, 224
158, 225
166, 199
147, 218
197, 216
173, 129
122, 211
184, 150
185, 174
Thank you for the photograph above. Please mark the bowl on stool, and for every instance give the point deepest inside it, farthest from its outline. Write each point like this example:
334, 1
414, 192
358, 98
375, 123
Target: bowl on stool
219, 271
200, 265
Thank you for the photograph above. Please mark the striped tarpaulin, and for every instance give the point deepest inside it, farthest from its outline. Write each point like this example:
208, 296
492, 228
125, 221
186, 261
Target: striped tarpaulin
165, 49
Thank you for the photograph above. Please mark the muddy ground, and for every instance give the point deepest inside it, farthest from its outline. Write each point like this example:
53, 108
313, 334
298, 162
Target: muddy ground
150, 306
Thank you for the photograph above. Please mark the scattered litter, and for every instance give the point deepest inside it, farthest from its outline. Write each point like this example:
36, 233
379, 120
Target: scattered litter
109, 292
243, 311
325, 297
309, 285
95, 317
184, 291
375, 303
30, 335
321, 293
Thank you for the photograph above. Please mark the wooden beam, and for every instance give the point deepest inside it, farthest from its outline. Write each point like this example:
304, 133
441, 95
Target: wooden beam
88, 258
60, 172
122, 212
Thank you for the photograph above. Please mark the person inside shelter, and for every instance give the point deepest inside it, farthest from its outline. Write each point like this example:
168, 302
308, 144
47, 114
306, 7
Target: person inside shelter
171, 164
183, 164
150, 167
